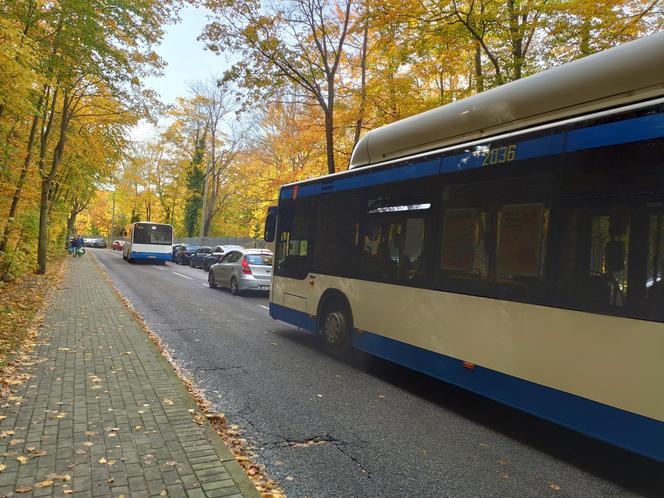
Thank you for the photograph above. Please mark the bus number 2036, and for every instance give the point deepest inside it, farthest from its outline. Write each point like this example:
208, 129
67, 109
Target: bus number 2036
500, 155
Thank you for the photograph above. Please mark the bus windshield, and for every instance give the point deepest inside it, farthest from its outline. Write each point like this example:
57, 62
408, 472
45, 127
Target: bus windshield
146, 233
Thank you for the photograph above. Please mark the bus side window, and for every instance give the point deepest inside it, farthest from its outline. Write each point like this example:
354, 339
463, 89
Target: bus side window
393, 247
593, 263
380, 248
294, 244
654, 305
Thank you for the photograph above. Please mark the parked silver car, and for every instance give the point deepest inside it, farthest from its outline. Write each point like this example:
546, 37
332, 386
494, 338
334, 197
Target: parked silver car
217, 253
243, 270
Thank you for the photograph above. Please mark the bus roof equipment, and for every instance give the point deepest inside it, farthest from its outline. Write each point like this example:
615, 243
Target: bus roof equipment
619, 76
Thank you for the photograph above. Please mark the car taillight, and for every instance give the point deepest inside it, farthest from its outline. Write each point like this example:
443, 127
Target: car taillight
245, 267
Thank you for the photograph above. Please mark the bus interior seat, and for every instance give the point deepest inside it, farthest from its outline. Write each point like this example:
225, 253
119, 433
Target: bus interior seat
593, 291
655, 301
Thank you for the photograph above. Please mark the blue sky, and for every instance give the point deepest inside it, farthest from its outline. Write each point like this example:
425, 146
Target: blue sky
187, 61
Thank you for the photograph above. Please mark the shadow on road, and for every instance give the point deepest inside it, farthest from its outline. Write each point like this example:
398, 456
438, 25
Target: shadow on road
623, 468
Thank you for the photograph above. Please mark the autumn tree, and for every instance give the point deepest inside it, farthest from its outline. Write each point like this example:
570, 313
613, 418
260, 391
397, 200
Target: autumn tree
296, 45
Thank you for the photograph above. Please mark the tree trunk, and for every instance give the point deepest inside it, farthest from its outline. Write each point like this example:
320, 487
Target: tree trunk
47, 181
329, 124
516, 38
21, 182
43, 226
329, 140
479, 74
71, 222
203, 229
363, 87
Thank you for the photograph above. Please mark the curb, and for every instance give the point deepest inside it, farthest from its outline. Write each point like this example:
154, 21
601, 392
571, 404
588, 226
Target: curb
234, 469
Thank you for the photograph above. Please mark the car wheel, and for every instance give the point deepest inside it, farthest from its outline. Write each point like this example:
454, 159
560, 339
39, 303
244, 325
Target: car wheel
204, 266
211, 281
235, 288
336, 327
191, 263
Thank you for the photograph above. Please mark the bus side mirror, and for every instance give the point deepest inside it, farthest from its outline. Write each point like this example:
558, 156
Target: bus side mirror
270, 224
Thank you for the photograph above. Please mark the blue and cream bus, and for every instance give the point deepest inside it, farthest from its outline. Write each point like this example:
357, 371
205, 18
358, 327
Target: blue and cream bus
511, 243
148, 241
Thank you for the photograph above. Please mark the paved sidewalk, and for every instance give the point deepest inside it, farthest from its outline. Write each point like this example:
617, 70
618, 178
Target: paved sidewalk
103, 413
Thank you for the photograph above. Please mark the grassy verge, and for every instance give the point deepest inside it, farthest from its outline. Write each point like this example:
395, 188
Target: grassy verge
21, 302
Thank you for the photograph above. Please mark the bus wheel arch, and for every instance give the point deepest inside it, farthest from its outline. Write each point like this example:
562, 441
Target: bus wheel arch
334, 319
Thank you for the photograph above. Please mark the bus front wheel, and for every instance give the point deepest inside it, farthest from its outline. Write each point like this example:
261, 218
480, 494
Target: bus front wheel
336, 326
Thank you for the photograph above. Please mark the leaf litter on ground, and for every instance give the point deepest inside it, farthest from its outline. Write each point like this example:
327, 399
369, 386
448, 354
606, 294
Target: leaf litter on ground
230, 435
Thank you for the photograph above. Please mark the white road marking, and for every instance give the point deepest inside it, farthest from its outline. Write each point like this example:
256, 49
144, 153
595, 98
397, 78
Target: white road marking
183, 276
262, 306
204, 285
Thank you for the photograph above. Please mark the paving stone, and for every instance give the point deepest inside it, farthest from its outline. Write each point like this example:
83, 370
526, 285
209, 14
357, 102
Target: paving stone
96, 371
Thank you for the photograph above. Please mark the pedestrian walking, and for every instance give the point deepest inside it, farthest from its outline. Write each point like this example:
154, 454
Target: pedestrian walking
79, 247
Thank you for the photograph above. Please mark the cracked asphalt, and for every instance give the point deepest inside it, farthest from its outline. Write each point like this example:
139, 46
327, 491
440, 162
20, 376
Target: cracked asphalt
361, 426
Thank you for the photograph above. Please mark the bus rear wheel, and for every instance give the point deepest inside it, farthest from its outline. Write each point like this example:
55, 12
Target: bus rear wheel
336, 327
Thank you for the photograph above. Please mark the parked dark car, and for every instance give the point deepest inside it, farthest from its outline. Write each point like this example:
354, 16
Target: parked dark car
100, 243
217, 253
184, 253
175, 251
196, 259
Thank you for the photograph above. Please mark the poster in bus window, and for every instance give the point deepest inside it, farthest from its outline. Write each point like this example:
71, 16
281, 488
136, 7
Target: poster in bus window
520, 240
459, 239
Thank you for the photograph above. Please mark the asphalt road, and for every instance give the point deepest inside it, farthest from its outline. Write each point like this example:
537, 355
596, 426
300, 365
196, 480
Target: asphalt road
361, 426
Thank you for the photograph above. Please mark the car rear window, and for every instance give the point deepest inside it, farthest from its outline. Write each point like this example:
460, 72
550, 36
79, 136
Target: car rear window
257, 259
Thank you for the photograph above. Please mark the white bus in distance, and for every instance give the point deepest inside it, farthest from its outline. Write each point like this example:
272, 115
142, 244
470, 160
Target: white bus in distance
511, 243
148, 241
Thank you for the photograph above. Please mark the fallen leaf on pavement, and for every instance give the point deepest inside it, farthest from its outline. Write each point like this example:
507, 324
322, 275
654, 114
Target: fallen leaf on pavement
34, 452
68, 491
22, 459
23, 489
88, 443
63, 349
168, 402
5, 434
44, 484
2, 467
102, 460
60, 477
554, 486
90, 433
14, 442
